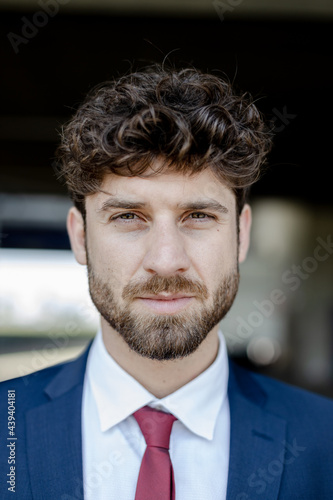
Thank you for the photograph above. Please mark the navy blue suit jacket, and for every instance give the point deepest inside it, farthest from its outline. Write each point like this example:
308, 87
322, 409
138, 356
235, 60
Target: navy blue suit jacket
281, 444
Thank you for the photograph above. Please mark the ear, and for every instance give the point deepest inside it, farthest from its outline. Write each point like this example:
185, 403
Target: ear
245, 220
76, 233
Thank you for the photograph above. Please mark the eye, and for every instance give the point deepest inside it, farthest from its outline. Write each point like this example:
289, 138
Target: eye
125, 216
200, 215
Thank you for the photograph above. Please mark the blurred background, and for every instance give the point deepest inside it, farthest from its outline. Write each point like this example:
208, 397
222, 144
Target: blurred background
54, 51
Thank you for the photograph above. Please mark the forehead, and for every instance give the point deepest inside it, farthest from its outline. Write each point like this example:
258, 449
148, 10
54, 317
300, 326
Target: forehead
165, 188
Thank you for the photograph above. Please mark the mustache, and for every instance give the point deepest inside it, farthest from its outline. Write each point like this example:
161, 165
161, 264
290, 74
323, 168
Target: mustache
158, 284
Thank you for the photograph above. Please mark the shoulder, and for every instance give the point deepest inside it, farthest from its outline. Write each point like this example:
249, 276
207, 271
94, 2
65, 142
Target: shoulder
286, 431
282, 399
307, 417
29, 389
37, 387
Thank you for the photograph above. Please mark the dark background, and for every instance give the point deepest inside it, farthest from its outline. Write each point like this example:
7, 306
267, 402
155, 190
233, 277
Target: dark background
285, 64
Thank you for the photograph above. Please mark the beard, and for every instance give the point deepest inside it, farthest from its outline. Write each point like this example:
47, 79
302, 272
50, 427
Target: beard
163, 337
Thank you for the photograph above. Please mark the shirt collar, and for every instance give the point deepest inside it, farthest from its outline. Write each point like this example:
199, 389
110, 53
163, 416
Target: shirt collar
118, 395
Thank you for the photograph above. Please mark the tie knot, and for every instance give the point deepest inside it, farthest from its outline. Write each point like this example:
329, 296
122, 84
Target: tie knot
155, 426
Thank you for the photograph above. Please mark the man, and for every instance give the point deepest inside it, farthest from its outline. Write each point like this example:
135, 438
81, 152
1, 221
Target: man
158, 164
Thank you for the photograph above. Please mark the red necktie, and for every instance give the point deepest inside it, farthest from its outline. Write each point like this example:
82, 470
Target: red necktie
155, 481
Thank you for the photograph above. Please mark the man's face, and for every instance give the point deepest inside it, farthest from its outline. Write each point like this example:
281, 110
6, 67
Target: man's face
162, 255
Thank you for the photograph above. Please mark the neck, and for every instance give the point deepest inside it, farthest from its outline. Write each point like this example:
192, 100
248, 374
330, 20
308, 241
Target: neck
160, 378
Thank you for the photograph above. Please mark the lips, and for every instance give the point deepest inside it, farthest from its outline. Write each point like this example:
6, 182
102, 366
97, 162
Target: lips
166, 296
166, 303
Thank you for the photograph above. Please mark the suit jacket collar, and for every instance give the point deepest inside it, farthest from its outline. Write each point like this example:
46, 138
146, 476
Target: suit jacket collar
54, 436
55, 447
257, 439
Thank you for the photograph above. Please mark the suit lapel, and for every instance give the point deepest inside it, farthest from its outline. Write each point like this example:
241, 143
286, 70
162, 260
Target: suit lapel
256, 441
54, 437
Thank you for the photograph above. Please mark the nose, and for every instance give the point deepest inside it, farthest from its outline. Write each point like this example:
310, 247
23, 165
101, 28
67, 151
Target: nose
165, 253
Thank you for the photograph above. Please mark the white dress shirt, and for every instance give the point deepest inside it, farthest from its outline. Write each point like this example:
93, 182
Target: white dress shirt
113, 445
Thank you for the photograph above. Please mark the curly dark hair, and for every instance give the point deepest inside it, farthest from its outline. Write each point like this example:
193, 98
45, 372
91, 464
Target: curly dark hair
190, 119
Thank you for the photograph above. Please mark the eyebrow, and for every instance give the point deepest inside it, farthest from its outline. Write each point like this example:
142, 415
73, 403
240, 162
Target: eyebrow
204, 205
119, 203
134, 205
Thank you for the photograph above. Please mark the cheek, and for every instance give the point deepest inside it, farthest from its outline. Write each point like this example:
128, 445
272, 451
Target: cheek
115, 262
216, 255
